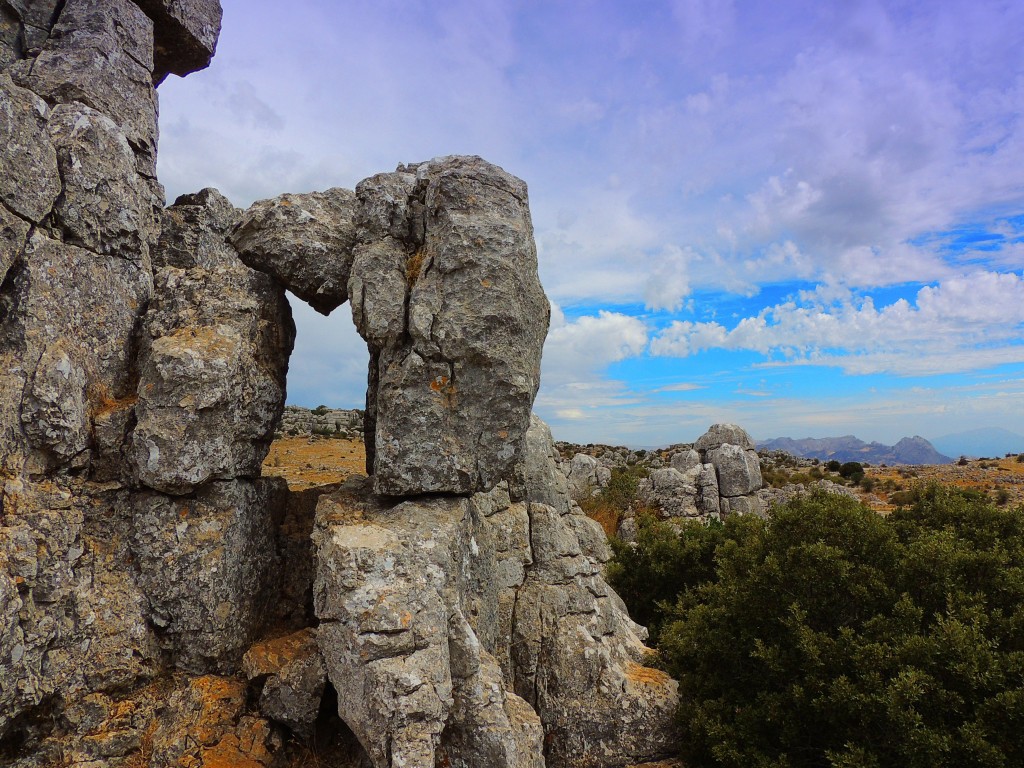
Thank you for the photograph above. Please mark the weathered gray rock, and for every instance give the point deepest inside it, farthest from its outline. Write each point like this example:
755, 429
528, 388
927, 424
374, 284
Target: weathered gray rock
100, 297
576, 657
186, 34
685, 460
586, 476
13, 232
106, 206
432, 610
738, 469
334, 422
721, 434
212, 367
26, 153
395, 593
100, 53
54, 409
536, 477
455, 326
707, 483
72, 620
303, 241
206, 564
293, 676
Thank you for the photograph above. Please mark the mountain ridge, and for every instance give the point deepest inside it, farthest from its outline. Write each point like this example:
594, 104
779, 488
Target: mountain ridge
908, 450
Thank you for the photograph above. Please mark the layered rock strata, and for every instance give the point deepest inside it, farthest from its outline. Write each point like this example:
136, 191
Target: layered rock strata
79, 217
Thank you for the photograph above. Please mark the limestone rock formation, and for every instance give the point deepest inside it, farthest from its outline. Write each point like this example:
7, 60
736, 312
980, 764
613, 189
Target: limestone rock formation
444, 289
586, 475
160, 602
303, 241
186, 34
719, 476
433, 611
439, 262
213, 358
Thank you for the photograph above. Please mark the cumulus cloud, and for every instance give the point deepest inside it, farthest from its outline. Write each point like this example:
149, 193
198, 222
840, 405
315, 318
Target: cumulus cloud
961, 324
579, 348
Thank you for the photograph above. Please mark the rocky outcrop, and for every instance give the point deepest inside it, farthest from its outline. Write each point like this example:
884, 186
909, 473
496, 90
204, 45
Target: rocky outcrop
79, 215
160, 602
304, 242
586, 475
439, 262
214, 354
444, 289
478, 631
323, 421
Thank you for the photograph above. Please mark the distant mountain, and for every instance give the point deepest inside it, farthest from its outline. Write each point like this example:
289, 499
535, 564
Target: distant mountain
975, 443
909, 450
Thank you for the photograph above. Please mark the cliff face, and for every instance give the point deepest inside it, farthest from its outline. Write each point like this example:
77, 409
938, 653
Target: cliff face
161, 603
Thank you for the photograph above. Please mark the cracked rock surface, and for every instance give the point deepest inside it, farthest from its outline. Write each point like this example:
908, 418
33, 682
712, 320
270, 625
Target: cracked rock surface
439, 264
163, 605
479, 631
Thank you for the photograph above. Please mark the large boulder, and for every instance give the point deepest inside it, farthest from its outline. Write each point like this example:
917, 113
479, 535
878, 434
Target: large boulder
739, 470
186, 33
302, 241
398, 592
212, 367
206, 564
444, 289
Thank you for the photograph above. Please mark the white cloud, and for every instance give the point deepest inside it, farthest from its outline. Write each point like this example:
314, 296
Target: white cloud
576, 350
962, 324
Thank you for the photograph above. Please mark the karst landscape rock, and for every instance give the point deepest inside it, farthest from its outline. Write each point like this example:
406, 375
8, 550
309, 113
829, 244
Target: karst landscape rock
163, 604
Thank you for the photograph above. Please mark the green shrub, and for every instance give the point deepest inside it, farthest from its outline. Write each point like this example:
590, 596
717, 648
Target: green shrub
853, 471
831, 636
620, 495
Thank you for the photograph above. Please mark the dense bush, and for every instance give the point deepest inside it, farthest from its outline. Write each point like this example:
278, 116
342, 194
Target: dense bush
852, 471
832, 636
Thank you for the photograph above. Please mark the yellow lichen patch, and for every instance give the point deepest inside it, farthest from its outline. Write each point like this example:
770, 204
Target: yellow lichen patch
246, 748
486, 283
270, 656
645, 675
307, 462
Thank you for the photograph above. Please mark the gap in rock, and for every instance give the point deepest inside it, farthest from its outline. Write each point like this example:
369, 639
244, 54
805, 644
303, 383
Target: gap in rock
328, 365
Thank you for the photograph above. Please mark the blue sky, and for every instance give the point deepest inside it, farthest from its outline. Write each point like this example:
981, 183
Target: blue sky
804, 217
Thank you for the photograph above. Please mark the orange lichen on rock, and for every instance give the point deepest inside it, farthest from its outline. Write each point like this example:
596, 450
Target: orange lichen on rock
270, 656
645, 675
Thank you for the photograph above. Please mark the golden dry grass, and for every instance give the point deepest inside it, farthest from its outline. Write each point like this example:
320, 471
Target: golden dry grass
988, 476
306, 462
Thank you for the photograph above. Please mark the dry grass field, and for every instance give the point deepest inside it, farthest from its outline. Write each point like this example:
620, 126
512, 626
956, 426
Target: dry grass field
1001, 479
305, 462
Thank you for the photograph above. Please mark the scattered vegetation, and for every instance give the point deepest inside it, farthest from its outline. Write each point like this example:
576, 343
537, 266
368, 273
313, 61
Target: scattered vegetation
832, 636
609, 505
